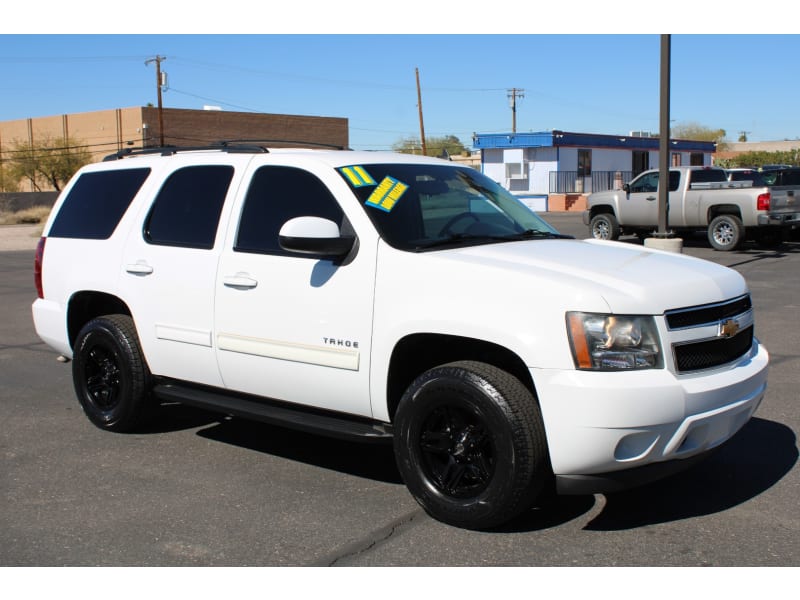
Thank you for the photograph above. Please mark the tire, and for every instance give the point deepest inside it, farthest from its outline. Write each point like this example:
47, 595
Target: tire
110, 375
470, 445
604, 226
725, 233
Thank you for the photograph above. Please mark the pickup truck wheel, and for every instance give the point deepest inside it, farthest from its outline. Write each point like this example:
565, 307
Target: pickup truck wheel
725, 232
110, 375
604, 227
470, 445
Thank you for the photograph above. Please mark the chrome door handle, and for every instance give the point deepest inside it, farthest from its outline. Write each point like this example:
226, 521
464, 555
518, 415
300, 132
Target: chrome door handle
139, 268
240, 281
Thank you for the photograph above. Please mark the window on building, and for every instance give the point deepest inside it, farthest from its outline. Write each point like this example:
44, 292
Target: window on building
186, 211
584, 163
676, 159
697, 159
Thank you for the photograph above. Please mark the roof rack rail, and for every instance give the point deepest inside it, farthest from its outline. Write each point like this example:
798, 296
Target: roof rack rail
171, 150
228, 143
244, 146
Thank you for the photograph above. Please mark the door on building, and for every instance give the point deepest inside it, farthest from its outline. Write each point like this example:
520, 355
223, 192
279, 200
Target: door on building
640, 161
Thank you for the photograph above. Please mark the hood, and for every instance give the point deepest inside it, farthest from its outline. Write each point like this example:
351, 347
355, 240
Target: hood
630, 279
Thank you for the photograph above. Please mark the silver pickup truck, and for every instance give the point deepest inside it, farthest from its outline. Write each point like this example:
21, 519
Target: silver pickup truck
700, 199
785, 192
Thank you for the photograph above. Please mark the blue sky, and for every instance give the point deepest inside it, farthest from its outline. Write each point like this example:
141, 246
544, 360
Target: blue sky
589, 83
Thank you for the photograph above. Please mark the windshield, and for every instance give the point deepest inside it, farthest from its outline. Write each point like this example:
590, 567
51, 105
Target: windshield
419, 207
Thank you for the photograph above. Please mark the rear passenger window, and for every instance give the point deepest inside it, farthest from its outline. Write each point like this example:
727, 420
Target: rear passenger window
187, 208
96, 203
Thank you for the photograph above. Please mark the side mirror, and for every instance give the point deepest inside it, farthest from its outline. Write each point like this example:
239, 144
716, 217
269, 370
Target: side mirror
315, 236
626, 187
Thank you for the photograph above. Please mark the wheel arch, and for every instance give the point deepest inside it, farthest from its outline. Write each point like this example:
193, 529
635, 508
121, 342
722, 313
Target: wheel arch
416, 353
601, 209
723, 209
89, 304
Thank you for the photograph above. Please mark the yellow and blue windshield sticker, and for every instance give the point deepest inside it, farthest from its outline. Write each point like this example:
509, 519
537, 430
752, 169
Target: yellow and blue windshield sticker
387, 194
357, 176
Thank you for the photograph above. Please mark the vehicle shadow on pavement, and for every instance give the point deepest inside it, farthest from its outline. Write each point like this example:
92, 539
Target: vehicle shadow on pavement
368, 460
757, 458
749, 464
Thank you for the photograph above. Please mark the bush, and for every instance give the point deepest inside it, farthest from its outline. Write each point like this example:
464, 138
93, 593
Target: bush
28, 216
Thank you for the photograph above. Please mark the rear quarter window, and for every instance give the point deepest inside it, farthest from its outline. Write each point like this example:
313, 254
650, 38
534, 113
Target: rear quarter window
708, 175
96, 202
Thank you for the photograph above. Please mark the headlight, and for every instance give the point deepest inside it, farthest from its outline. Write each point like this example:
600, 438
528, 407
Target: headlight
613, 342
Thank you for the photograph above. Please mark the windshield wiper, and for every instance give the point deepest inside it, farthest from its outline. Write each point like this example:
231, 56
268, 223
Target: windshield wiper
458, 238
529, 234
455, 238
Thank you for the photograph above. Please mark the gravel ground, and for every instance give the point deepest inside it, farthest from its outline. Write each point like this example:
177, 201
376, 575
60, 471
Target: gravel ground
19, 237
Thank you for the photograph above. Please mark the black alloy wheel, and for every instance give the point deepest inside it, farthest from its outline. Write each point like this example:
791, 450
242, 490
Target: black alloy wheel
470, 445
110, 375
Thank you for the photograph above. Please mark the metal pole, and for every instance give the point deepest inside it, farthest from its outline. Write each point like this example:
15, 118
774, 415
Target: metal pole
158, 60
421, 126
663, 146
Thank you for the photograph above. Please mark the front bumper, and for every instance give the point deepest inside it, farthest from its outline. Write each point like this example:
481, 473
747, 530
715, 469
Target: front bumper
612, 430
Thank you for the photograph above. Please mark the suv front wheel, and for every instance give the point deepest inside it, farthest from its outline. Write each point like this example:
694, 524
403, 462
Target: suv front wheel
470, 444
110, 374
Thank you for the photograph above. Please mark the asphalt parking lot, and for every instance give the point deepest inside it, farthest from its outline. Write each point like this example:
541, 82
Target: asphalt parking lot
201, 490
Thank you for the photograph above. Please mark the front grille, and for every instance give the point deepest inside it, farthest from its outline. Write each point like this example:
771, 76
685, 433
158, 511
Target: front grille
712, 353
702, 315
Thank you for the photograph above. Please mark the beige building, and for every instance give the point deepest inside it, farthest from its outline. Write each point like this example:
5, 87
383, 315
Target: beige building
109, 131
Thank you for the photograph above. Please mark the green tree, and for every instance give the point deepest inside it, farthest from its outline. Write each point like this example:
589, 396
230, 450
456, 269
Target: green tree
8, 183
47, 164
700, 133
760, 158
435, 146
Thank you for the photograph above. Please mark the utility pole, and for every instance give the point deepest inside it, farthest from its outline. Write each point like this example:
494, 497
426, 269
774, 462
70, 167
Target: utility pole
513, 94
664, 239
159, 84
421, 126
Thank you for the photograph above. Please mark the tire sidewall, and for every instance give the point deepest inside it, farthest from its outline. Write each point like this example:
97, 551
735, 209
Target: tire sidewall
445, 387
610, 225
102, 333
727, 221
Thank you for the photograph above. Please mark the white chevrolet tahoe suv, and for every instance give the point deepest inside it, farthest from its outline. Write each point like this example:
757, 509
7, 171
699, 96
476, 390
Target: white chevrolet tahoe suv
389, 297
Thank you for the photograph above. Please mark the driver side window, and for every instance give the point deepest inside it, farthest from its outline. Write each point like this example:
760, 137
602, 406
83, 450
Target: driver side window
647, 183
277, 194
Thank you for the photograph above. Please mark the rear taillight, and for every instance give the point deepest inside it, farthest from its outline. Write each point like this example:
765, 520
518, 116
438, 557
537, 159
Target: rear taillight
763, 201
37, 266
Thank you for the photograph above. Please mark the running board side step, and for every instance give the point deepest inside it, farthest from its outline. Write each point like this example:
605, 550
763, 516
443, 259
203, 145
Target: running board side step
330, 424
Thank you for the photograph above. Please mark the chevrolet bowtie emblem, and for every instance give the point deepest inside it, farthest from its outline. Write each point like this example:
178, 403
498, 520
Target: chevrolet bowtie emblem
728, 329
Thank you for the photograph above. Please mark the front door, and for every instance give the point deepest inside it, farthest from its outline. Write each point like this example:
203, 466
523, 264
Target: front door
289, 327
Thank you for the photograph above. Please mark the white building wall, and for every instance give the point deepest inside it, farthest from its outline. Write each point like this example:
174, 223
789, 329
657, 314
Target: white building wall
540, 162
493, 166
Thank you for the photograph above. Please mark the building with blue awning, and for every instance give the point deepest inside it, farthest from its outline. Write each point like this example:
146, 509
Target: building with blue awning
549, 170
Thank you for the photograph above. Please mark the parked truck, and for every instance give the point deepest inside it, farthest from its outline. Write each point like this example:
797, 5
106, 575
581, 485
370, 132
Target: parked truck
700, 199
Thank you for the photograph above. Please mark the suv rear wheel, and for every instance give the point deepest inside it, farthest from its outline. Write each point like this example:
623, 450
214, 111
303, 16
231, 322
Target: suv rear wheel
470, 444
110, 375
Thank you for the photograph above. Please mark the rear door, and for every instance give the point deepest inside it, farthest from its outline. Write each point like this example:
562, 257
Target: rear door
169, 267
